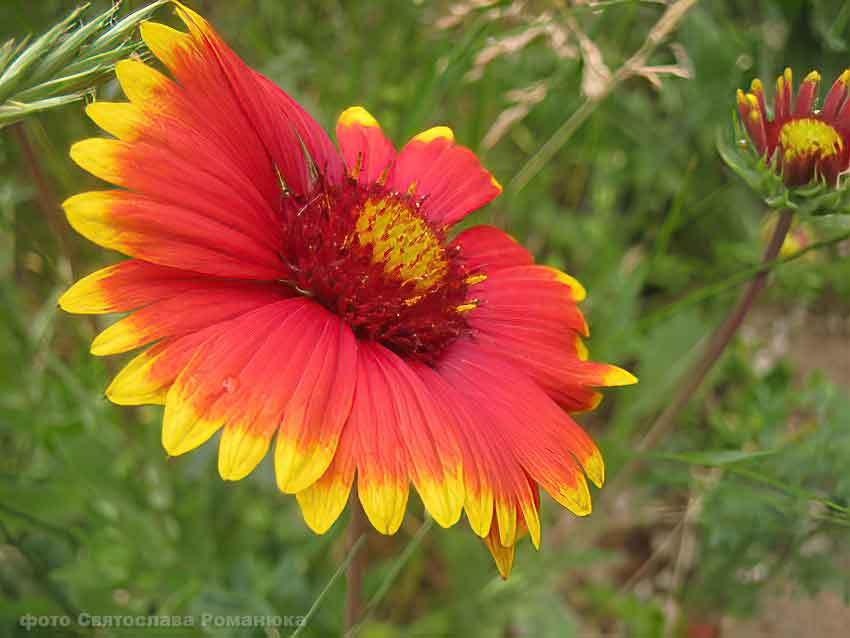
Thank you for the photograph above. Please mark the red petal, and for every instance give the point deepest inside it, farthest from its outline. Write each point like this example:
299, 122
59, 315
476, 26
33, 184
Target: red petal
836, 96
231, 93
190, 238
207, 303
530, 296
270, 370
486, 248
449, 177
127, 285
399, 435
806, 95
528, 315
367, 152
783, 97
508, 405
493, 477
147, 378
175, 151
504, 556
433, 451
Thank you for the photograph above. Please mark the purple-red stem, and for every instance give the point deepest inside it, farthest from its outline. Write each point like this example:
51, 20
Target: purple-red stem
357, 526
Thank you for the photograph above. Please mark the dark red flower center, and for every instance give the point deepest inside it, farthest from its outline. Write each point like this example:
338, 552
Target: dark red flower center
369, 256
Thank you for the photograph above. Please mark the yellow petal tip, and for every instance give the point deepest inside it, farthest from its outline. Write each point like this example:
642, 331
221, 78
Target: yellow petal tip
435, 133
617, 376
579, 293
357, 116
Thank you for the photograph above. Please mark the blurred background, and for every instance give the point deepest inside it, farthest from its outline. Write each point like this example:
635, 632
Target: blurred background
736, 524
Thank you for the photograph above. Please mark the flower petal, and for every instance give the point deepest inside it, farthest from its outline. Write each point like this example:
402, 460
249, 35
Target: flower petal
426, 433
368, 154
147, 378
257, 376
503, 555
128, 285
529, 316
494, 480
228, 91
321, 401
836, 96
448, 177
171, 235
486, 248
207, 303
396, 433
323, 501
530, 522
806, 95
506, 403
531, 295
381, 455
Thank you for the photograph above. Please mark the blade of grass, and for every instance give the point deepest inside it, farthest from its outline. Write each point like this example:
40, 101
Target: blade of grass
391, 576
355, 548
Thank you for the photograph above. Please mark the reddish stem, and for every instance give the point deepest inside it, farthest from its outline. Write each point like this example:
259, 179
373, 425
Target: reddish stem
357, 526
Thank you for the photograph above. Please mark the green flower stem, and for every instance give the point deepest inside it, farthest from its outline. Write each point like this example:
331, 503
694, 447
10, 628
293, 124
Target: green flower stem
693, 377
352, 554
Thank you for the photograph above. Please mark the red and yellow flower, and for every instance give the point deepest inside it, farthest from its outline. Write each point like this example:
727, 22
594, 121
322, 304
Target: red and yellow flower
294, 291
799, 141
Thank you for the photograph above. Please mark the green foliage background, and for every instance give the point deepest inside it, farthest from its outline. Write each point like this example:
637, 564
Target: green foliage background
637, 205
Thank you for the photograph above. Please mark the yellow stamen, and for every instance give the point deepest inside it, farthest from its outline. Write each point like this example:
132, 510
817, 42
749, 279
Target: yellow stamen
475, 279
808, 136
466, 307
402, 241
